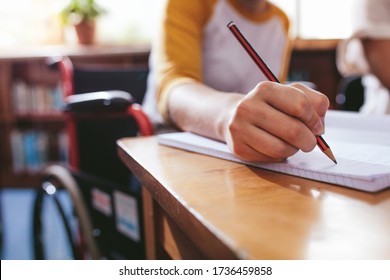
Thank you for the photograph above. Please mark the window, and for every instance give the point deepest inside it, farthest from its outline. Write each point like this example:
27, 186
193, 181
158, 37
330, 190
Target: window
318, 19
28, 22
128, 20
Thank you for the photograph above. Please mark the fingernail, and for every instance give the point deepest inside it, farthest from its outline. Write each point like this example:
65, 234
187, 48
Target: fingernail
318, 128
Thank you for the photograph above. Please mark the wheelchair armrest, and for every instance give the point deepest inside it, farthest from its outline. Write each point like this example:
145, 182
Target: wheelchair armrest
111, 100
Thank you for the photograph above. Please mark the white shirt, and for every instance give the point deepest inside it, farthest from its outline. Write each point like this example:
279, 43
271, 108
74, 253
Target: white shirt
225, 66
370, 19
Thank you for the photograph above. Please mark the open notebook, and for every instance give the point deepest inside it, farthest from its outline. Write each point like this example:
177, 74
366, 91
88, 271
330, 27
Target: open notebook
361, 145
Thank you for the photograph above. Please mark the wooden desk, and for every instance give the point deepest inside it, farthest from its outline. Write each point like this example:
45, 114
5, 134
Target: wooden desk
198, 207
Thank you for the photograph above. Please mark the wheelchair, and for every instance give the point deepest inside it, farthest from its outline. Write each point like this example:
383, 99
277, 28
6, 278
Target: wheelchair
101, 106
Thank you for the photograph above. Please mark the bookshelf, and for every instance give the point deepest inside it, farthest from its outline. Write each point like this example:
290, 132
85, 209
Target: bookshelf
32, 127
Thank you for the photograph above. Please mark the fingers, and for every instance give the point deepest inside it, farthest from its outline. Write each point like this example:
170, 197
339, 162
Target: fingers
274, 121
318, 101
297, 101
262, 147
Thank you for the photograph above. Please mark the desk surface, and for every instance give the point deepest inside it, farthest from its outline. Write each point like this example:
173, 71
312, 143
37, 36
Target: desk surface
235, 211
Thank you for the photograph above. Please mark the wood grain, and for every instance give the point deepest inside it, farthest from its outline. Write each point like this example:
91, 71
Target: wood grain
231, 211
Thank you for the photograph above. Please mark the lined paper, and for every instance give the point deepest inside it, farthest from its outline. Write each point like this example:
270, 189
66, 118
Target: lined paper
363, 155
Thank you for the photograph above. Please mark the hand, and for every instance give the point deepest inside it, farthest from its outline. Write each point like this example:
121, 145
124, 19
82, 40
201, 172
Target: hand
274, 121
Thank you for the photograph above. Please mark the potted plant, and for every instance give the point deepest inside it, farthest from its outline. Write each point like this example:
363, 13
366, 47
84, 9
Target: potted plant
82, 15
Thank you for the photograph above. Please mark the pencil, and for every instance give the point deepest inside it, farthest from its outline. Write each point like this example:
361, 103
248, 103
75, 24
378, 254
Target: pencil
324, 147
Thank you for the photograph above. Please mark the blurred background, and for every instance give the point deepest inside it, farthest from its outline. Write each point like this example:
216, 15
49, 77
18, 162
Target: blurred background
317, 27
128, 21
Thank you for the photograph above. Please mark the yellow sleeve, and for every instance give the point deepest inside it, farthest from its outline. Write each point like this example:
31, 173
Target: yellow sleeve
178, 51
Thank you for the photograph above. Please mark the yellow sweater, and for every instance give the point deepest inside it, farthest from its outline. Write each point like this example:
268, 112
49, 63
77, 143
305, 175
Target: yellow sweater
194, 43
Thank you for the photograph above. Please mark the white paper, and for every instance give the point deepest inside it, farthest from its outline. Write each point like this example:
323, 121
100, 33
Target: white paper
362, 150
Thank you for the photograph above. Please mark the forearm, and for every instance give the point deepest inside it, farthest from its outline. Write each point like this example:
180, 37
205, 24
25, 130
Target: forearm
378, 57
197, 108
269, 123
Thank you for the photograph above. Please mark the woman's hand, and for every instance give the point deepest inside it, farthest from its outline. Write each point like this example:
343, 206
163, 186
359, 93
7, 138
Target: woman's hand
274, 121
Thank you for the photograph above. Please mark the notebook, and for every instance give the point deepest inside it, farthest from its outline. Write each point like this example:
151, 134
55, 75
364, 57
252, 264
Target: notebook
361, 145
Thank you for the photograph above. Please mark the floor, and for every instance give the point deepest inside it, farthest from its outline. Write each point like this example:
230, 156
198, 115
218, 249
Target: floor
16, 225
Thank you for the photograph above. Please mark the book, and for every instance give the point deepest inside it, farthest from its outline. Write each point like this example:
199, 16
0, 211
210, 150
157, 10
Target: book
33, 149
361, 145
18, 156
36, 98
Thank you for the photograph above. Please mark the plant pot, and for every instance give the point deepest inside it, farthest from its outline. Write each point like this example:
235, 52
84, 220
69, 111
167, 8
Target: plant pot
85, 31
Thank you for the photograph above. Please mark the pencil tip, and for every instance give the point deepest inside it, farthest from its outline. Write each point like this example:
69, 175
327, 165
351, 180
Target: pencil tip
329, 154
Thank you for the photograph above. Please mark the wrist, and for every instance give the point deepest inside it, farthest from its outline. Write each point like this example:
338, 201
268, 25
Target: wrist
231, 101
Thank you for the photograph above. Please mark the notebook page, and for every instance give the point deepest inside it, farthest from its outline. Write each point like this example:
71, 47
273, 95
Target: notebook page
355, 121
360, 166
